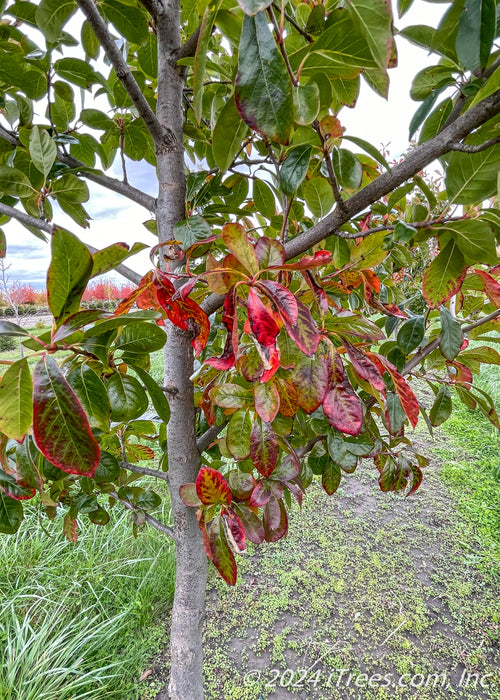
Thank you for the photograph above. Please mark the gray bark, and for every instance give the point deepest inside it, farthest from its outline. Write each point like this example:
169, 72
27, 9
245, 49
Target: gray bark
186, 676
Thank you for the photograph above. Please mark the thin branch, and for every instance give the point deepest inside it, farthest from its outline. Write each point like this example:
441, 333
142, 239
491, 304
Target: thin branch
188, 49
391, 227
145, 471
434, 344
165, 529
163, 137
412, 164
279, 39
204, 441
294, 24
44, 226
472, 148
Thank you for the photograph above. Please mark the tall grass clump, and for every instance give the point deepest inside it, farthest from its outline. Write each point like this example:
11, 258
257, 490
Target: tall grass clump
79, 620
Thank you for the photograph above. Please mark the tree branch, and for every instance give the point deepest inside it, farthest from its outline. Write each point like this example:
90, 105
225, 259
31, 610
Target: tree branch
188, 48
204, 441
163, 137
145, 471
412, 164
391, 227
152, 7
471, 148
44, 226
165, 529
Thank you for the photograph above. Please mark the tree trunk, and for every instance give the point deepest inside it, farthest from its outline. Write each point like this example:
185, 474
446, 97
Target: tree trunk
186, 679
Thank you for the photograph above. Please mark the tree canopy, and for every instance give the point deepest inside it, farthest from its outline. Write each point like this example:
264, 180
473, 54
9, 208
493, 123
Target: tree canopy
314, 281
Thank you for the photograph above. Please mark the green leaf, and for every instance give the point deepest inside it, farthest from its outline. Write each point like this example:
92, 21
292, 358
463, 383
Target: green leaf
263, 198
109, 258
319, 196
451, 337
369, 148
157, 396
443, 278
69, 188
231, 396
476, 31
229, 133
369, 252
411, 334
148, 500
294, 169
90, 43
97, 119
238, 434
330, 478
251, 7
15, 182
148, 56
43, 150
347, 168
118, 321
12, 329
471, 177
127, 397
16, 408
130, 21
52, 15
60, 426
141, 338
263, 88
428, 79
306, 103
11, 514
474, 238
374, 20
395, 415
200, 59
108, 468
70, 270
92, 395
192, 230
77, 72
442, 407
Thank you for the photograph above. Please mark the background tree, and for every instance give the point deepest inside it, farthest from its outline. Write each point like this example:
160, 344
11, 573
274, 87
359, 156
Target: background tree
303, 355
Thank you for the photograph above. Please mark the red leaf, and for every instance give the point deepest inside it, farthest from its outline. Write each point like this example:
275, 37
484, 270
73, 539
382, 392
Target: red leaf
490, 286
212, 488
218, 550
254, 530
230, 320
407, 398
284, 300
20, 491
60, 426
234, 531
364, 367
318, 292
289, 398
372, 280
263, 447
305, 332
341, 405
226, 360
261, 494
262, 323
271, 360
267, 401
275, 520
143, 290
319, 259
463, 375
310, 378
269, 252
236, 239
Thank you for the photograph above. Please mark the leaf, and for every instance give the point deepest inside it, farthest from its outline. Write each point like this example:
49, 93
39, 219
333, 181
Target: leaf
235, 238
127, 397
369, 253
238, 434
408, 399
263, 199
394, 415
129, 20
310, 379
231, 396
11, 514
92, 395
254, 530
319, 196
108, 469
444, 276
275, 520
251, 7
490, 286
305, 331
76, 71
294, 169
442, 406
472, 177
269, 252
411, 334
140, 338
15, 182
283, 299
364, 367
228, 135
374, 20
113, 255
262, 323
347, 168
219, 552
52, 15
69, 271
341, 405
192, 230
70, 526
148, 500
157, 396
476, 31
306, 101
188, 495
263, 92
267, 401
16, 410
212, 488
330, 477
43, 150
263, 447
60, 426
475, 240
451, 337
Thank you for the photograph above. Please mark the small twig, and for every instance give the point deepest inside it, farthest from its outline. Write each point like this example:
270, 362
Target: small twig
122, 155
165, 529
279, 39
294, 24
473, 148
145, 471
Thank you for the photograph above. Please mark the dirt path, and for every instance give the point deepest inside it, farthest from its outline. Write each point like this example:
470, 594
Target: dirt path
366, 582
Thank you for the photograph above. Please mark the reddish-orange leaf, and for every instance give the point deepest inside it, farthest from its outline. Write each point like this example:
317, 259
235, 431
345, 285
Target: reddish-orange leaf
234, 530
310, 378
289, 399
143, 291
236, 239
212, 488
364, 367
308, 262
490, 286
284, 300
341, 405
407, 398
261, 321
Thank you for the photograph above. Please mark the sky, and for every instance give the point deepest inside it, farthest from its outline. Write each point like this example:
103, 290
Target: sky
114, 218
